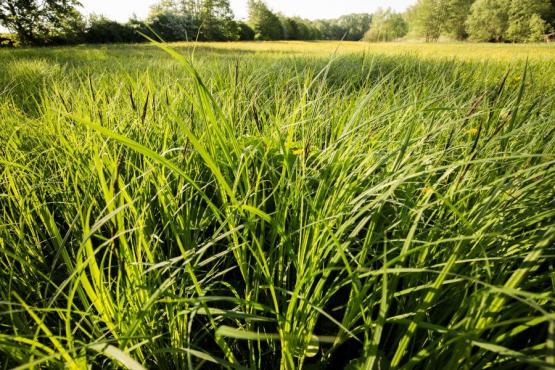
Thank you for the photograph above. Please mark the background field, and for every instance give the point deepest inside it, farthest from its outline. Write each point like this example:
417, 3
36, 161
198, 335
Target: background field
278, 205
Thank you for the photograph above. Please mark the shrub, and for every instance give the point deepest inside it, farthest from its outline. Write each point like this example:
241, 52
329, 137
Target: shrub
537, 28
173, 27
246, 33
8, 40
102, 30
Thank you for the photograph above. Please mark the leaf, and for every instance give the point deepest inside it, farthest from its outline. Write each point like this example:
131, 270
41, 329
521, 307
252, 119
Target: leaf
118, 355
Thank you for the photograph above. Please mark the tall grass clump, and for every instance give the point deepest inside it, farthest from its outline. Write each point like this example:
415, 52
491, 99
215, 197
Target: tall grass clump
232, 209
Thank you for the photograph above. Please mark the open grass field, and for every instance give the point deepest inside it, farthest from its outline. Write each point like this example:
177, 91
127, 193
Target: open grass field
280, 205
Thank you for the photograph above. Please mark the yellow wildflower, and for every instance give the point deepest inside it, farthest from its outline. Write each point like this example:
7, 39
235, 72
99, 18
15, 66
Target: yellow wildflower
473, 131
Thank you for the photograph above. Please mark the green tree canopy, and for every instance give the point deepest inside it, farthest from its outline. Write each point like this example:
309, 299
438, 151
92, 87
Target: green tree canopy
355, 25
350, 27
386, 26
509, 20
188, 19
427, 18
537, 28
296, 28
217, 21
265, 23
37, 21
454, 14
488, 20
525, 22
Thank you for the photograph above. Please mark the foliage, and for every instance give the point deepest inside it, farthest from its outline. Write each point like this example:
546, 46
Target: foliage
427, 18
455, 13
386, 26
524, 14
195, 20
482, 20
511, 20
246, 33
217, 21
537, 28
52, 22
296, 28
350, 27
550, 14
277, 210
170, 26
101, 30
264, 22
8, 40
41, 22
488, 20
273, 26
355, 25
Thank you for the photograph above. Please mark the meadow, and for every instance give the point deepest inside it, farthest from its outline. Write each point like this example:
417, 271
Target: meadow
284, 205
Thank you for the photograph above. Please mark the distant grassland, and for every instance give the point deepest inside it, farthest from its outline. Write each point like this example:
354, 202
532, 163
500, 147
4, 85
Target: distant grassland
283, 205
472, 51
463, 51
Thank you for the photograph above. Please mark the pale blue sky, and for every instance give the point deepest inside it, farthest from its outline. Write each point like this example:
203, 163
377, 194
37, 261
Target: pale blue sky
121, 10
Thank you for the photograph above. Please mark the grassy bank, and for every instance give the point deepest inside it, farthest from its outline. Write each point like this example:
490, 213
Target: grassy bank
277, 205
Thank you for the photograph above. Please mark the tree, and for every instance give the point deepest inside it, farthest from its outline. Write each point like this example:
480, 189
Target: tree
509, 20
520, 16
170, 26
347, 27
329, 29
245, 32
296, 28
433, 18
265, 23
164, 6
550, 16
289, 27
354, 25
386, 26
36, 22
217, 21
455, 13
210, 20
101, 30
427, 18
537, 27
488, 20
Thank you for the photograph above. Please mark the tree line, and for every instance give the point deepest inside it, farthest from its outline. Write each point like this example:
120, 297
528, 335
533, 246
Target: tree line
54, 22
483, 20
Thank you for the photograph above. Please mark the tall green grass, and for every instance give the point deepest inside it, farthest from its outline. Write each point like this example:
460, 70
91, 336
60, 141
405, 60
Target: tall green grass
250, 210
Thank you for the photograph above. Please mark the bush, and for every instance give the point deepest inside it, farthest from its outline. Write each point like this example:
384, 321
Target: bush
102, 30
537, 29
173, 27
8, 40
246, 33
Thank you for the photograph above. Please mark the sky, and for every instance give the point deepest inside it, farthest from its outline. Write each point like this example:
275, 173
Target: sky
121, 10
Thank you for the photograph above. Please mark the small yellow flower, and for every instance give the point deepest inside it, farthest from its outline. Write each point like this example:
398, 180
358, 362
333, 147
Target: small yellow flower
473, 131
427, 190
